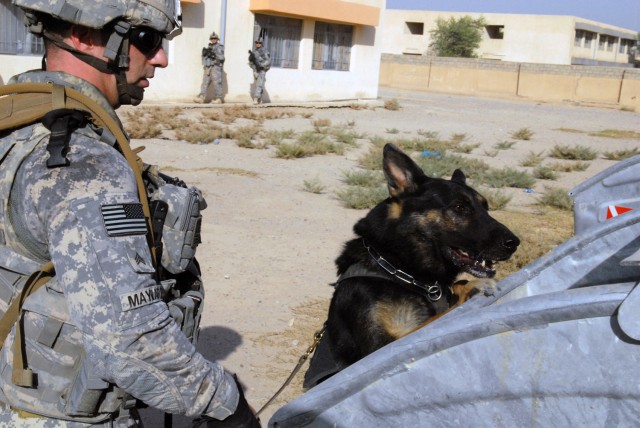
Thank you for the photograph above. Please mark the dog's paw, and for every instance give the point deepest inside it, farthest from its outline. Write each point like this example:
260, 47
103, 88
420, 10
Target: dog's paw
466, 289
486, 286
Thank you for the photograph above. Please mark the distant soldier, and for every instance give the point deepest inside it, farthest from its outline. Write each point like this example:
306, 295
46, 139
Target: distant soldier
212, 62
260, 62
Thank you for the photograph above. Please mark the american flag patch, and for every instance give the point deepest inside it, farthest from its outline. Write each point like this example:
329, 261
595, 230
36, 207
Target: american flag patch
124, 219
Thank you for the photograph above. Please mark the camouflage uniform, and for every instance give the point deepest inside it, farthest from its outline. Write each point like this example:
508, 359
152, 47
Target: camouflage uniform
83, 333
260, 62
212, 73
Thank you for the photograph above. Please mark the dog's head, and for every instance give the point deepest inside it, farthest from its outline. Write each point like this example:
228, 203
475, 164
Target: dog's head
440, 226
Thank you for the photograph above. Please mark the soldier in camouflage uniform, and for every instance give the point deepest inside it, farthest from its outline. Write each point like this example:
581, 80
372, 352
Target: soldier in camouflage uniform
212, 62
101, 337
260, 63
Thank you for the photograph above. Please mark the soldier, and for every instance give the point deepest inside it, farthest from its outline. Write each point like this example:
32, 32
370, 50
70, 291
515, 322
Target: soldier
260, 62
212, 62
110, 330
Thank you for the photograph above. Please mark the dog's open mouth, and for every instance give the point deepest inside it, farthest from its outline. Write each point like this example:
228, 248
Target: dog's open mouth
475, 266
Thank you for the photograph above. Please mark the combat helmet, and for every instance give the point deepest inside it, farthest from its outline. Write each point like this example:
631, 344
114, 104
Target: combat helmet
214, 35
123, 16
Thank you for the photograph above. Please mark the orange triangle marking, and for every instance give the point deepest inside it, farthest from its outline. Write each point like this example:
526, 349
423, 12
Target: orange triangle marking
616, 210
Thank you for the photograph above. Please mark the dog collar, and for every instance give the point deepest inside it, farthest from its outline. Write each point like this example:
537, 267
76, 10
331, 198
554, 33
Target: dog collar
433, 292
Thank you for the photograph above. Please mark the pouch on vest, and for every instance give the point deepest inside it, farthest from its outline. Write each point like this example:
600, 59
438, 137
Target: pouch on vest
181, 230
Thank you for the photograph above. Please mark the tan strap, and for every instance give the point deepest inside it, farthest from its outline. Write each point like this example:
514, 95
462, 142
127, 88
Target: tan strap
22, 376
27, 105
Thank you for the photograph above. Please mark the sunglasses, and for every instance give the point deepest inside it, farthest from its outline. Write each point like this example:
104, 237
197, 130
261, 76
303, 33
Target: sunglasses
147, 40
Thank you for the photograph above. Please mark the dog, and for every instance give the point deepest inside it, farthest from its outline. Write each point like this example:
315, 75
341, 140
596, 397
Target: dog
401, 271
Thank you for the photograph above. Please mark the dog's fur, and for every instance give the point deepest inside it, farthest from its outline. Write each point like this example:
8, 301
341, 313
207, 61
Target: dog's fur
429, 228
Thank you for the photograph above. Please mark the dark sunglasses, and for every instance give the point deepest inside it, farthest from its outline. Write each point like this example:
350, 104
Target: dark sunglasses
147, 40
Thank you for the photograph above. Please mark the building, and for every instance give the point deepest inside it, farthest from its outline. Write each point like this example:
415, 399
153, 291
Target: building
543, 39
321, 49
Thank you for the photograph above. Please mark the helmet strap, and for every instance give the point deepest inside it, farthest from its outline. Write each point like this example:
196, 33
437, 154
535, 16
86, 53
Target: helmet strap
116, 50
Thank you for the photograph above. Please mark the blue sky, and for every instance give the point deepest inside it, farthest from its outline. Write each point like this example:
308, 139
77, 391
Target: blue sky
623, 13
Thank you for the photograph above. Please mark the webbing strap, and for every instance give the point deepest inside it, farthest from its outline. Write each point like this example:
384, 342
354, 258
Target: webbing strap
29, 102
22, 376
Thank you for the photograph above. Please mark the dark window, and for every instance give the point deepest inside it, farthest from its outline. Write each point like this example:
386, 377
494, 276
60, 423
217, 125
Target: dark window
281, 36
332, 46
495, 31
415, 28
14, 37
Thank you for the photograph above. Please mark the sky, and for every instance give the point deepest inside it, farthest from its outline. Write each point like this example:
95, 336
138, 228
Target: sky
622, 13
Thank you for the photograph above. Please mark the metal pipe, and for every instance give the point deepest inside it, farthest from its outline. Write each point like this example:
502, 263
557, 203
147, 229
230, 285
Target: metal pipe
223, 21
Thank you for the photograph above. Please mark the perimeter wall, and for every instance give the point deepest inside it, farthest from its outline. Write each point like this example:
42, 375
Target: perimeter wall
615, 86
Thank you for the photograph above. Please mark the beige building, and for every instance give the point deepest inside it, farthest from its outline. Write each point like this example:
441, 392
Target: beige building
543, 39
320, 49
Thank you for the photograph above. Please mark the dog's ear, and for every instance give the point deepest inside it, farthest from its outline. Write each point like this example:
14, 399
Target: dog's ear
459, 177
401, 172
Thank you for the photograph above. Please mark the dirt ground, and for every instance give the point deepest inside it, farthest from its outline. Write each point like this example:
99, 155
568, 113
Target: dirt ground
269, 246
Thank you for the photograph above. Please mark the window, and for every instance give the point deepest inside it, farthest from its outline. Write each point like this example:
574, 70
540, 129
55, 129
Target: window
588, 38
578, 40
495, 31
602, 42
332, 46
14, 37
414, 28
281, 37
611, 43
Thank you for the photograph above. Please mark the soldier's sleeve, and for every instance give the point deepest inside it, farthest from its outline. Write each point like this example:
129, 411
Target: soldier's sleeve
220, 52
96, 235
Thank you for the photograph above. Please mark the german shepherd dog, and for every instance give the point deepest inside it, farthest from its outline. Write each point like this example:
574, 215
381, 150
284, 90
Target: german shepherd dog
401, 271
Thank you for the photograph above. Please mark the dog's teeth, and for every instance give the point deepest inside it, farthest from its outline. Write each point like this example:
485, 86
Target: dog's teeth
484, 263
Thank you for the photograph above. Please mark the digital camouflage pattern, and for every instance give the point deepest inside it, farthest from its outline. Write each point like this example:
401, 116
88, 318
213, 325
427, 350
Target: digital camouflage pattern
212, 63
161, 15
101, 320
260, 63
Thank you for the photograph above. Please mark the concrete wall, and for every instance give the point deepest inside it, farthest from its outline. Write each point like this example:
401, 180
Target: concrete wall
543, 39
545, 82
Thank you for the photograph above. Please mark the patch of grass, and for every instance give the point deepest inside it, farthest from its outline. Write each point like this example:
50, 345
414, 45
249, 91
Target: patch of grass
617, 134
569, 166
497, 200
491, 153
308, 144
458, 138
539, 233
578, 152
621, 154
545, 173
504, 145
321, 125
313, 185
199, 133
392, 104
392, 131
522, 134
427, 134
372, 160
506, 177
359, 198
276, 137
557, 198
465, 148
363, 178
571, 130
444, 166
532, 159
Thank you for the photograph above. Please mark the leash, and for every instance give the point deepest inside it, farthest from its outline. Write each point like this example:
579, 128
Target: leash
316, 340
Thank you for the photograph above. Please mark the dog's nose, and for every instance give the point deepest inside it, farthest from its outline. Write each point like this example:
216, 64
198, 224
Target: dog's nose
511, 243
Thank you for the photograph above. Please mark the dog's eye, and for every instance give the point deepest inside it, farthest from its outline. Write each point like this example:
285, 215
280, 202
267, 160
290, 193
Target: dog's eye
461, 208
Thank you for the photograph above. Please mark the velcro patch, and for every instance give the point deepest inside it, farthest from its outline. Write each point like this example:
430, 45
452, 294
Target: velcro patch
136, 299
124, 219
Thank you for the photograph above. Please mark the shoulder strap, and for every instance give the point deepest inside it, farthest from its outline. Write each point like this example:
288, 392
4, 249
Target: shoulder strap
25, 103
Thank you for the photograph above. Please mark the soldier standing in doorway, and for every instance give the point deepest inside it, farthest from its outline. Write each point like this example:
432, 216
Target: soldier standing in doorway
212, 62
260, 62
